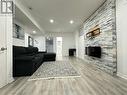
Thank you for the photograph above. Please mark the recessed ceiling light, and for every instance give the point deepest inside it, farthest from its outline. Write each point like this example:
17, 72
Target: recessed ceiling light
71, 21
51, 21
30, 8
34, 32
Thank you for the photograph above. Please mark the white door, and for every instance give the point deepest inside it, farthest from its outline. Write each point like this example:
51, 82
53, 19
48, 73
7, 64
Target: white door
3, 51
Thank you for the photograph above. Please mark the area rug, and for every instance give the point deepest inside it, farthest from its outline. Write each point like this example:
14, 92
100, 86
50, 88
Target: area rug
52, 70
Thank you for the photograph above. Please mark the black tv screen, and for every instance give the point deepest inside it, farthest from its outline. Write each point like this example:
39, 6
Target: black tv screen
93, 51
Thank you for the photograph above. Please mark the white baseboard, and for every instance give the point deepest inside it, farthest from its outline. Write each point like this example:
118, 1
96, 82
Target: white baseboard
10, 80
2, 85
121, 75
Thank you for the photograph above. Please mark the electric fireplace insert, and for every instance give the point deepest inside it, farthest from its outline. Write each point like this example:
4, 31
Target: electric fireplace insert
94, 51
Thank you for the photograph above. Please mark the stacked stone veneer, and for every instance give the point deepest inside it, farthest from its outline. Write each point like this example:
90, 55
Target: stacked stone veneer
105, 18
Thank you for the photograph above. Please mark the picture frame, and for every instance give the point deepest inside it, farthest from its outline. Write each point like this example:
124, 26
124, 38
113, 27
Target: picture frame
18, 32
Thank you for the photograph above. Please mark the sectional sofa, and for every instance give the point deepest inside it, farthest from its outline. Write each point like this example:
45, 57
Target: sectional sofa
26, 60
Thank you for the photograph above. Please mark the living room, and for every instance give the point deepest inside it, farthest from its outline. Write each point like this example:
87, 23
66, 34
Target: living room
63, 47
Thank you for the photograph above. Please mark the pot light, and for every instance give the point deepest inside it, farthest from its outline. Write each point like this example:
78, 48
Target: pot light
34, 32
71, 21
51, 21
30, 8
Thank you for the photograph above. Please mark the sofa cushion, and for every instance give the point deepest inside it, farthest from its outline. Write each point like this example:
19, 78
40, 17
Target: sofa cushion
31, 50
35, 50
24, 58
40, 55
49, 56
18, 50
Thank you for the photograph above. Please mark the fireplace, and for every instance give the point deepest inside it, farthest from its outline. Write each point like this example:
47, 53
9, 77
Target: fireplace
93, 51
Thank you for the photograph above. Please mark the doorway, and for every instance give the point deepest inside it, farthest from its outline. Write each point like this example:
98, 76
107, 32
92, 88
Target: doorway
49, 44
59, 42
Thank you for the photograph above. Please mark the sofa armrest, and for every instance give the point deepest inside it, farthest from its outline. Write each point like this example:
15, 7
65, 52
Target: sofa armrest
23, 66
49, 56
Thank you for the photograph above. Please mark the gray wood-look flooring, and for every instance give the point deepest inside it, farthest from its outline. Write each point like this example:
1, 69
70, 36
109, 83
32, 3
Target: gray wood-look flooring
91, 82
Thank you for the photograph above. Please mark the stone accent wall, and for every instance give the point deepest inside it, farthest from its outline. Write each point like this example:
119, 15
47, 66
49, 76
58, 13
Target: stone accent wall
105, 18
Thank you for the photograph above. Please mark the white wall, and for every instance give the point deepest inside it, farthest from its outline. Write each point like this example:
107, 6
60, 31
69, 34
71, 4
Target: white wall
121, 20
54, 42
68, 41
20, 42
26, 39
77, 43
39, 41
81, 47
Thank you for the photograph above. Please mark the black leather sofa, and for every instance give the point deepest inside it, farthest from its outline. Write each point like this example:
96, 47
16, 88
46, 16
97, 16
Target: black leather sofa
26, 60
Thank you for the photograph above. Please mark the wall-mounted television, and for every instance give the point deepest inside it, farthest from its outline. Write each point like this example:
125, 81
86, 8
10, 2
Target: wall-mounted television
94, 51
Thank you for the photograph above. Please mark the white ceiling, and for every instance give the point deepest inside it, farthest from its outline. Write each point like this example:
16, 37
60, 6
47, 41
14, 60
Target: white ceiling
62, 11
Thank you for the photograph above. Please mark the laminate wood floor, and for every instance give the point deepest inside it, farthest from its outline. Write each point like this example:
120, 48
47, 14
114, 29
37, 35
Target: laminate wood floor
91, 82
